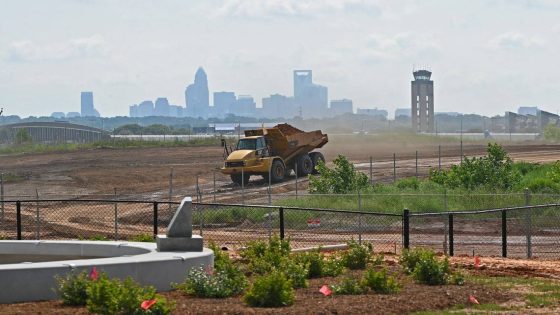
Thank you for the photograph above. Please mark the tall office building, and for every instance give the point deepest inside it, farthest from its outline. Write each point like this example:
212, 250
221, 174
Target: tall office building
197, 95
87, 108
161, 107
224, 103
310, 97
279, 106
341, 107
422, 100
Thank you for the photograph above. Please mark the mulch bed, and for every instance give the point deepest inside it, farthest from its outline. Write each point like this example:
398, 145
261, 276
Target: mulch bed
412, 297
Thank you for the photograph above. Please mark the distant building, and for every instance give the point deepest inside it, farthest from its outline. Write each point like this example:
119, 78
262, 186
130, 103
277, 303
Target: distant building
372, 112
197, 95
546, 118
87, 107
422, 99
145, 109
224, 103
311, 97
528, 110
341, 107
58, 115
72, 115
244, 106
176, 111
452, 114
406, 112
279, 106
161, 107
133, 111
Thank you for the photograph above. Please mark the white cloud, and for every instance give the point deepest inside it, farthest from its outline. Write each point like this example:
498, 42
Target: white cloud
29, 51
515, 40
306, 8
382, 47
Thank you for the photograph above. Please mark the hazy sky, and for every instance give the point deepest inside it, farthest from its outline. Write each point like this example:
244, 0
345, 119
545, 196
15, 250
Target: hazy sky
486, 56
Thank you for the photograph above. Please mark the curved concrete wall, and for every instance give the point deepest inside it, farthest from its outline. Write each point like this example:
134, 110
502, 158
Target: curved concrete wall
35, 281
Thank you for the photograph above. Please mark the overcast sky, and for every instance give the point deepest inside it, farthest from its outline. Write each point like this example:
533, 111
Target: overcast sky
486, 56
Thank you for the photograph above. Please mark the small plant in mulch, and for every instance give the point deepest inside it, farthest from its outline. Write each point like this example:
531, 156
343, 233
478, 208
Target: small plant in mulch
380, 282
357, 256
426, 268
224, 280
102, 295
272, 290
349, 285
145, 238
318, 265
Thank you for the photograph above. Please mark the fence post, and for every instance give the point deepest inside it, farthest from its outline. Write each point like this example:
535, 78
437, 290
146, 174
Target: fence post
281, 214
269, 187
155, 219
1, 198
416, 163
18, 220
451, 241
295, 171
371, 170
37, 217
529, 223
116, 218
504, 233
406, 228
171, 187
214, 181
439, 157
359, 218
394, 167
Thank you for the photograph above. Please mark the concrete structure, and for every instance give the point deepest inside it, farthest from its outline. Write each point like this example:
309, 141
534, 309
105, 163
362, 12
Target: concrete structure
197, 95
87, 107
310, 97
341, 107
422, 101
52, 133
372, 112
545, 118
179, 236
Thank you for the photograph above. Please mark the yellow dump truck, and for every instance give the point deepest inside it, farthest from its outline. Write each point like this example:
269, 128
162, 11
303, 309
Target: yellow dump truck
273, 153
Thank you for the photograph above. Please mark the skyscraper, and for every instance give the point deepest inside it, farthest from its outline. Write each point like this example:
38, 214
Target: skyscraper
87, 108
310, 97
161, 107
422, 99
197, 95
224, 103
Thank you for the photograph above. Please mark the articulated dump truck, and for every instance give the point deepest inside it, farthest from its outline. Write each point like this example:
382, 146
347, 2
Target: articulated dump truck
273, 153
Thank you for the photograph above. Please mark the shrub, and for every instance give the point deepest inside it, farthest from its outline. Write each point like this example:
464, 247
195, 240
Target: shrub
72, 288
217, 284
408, 183
262, 257
314, 261
542, 185
296, 273
425, 267
409, 259
333, 266
349, 285
380, 282
342, 179
272, 290
147, 238
357, 256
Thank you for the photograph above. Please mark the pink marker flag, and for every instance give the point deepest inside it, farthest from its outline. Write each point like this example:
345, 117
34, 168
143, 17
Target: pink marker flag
476, 262
473, 300
325, 290
93, 274
147, 304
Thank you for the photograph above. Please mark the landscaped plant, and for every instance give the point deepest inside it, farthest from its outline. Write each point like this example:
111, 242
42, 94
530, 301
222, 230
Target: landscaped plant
263, 256
272, 290
72, 288
318, 265
425, 267
333, 266
379, 281
342, 179
147, 238
357, 256
296, 273
349, 285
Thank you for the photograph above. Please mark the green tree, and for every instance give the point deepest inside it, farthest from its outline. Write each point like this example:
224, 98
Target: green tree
22, 137
342, 179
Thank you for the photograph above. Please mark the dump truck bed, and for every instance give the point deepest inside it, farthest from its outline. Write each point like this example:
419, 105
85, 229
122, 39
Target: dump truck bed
287, 141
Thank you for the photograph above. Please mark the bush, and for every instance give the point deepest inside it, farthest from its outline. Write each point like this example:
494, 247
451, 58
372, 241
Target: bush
146, 238
333, 266
263, 256
217, 284
357, 256
349, 285
342, 179
495, 171
425, 267
296, 273
380, 282
408, 183
314, 261
273, 290
72, 288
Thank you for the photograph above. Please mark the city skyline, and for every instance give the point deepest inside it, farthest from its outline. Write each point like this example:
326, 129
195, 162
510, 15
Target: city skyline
488, 56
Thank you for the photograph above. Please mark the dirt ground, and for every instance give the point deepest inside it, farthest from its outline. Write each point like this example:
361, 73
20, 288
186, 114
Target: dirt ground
411, 298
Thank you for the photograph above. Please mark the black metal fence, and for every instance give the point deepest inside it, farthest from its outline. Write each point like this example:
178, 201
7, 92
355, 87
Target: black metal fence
528, 231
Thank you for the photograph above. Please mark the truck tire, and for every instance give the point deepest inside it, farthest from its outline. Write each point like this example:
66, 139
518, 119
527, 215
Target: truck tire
316, 157
304, 165
238, 179
277, 172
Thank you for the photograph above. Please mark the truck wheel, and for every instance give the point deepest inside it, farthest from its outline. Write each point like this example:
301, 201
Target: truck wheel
277, 171
316, 157
238, 179
304, 165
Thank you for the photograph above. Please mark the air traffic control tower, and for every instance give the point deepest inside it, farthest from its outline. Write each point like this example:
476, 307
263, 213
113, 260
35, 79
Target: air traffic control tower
422, 100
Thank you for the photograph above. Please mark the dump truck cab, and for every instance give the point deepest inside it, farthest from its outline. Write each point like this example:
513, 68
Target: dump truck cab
273, 153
